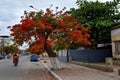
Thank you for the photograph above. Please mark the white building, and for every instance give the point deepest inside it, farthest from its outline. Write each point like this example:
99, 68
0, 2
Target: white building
5, 41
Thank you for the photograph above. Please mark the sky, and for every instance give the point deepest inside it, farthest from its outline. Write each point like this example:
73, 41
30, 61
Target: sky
12, 10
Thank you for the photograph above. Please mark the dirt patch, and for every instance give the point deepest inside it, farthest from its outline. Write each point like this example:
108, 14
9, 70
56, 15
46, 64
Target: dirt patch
65, 68
62, 69
50, 76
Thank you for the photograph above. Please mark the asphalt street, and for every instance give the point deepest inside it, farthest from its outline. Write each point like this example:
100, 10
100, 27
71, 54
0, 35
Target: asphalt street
25, 70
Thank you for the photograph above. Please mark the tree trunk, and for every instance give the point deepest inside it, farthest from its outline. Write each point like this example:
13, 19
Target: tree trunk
54, 63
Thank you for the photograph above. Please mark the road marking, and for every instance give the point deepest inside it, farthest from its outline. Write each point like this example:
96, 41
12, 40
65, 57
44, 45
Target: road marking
53, 73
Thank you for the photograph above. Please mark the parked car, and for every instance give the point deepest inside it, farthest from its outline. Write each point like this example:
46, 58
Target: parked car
8, 56
34, 57
2, 56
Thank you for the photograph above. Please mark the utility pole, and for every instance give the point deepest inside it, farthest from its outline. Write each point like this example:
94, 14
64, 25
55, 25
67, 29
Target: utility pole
68, 55
2, 42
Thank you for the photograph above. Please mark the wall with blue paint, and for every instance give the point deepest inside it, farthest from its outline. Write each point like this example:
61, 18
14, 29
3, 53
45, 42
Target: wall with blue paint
90, 55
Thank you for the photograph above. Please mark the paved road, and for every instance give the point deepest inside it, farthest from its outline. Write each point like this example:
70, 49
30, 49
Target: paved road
25, 70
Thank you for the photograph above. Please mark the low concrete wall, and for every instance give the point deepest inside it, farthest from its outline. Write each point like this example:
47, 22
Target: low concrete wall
105, 68
116, 62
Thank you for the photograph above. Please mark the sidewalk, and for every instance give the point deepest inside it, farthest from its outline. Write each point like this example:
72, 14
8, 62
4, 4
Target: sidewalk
76, 72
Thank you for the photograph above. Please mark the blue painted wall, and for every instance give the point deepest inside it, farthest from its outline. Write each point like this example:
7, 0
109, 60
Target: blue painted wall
90, 55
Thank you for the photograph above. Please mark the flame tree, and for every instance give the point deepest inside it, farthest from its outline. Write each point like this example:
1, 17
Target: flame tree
49, 30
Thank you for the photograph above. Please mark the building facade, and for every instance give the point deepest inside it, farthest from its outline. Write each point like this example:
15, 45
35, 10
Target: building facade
115, 37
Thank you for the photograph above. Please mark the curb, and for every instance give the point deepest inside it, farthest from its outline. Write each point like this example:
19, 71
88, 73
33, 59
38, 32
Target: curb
53, 73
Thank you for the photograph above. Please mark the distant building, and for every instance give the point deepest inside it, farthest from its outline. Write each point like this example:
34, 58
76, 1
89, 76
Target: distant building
5, 41
115, 36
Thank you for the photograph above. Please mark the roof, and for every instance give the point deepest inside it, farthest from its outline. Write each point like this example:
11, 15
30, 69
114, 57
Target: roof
5, 36
115, 27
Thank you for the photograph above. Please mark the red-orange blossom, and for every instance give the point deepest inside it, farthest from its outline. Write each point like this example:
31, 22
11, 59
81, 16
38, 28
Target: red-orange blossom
47, 30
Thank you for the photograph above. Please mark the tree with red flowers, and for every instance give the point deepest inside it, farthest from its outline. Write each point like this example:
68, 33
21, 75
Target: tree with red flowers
35, 48
49, 31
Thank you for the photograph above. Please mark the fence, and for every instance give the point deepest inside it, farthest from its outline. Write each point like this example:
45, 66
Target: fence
86, 55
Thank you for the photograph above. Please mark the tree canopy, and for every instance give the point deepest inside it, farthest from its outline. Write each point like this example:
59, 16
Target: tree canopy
49, 31
99, 16
11, 49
